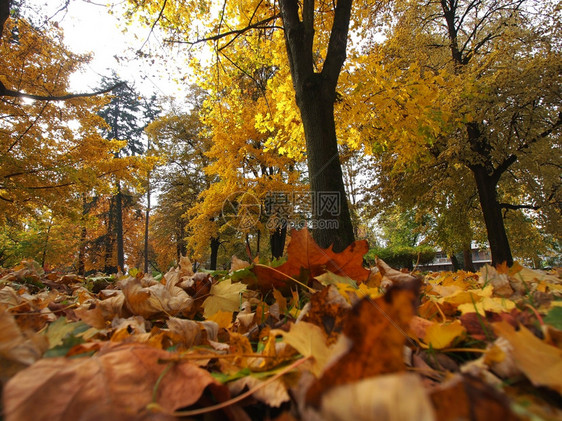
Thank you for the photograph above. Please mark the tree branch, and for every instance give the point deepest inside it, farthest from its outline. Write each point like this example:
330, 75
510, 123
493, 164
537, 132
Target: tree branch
262, 24
511, 159
16, 94
337, 45
516, 207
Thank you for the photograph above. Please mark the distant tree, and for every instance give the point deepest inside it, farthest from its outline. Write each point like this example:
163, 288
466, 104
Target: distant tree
126, 115
462, 100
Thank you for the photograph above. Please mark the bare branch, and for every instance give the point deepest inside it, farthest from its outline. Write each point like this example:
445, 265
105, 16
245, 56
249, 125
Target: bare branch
510, 206
262, 24
154, 24
16, 94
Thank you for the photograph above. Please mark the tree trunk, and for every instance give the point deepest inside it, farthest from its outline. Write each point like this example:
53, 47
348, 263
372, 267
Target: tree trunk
315, 96
454, 262
46, 246
119, 228
215, 244
146, 266
82, 252
332, 220
4, 13
467, 257
181, 247
497, 237
109, 243
277, 241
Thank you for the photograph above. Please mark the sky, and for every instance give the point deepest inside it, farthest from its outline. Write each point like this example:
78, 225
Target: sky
89, 27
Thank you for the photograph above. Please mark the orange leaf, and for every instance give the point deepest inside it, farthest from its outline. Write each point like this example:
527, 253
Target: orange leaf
377, 332
304, 254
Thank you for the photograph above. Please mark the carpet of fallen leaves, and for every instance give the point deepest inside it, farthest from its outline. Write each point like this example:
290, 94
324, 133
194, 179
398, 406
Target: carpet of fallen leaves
318, 337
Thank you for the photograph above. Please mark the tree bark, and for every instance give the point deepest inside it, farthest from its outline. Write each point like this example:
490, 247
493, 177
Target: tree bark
277, 241
497, 237
215, 244
181, 246
315, 96
4, 14
146, 223
454, 262
119, 228
467, 257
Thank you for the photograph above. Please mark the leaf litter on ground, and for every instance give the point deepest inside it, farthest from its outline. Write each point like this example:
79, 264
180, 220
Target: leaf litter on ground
318, 337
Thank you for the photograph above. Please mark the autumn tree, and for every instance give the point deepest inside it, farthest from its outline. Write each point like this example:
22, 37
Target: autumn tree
473, 88
315, 43
52, 151
178, 139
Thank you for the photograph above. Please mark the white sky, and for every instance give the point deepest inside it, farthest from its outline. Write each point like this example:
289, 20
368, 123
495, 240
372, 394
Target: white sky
89, 27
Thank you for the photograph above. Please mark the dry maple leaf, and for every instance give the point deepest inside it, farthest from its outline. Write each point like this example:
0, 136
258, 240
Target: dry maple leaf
377, 332
224, 296
115, 384
539, 361
304, 254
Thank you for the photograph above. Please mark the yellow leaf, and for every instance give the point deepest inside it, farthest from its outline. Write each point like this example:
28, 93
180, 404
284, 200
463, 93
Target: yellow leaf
222, 318
310, 341
540, 362
493, 304
442, 335
225, 296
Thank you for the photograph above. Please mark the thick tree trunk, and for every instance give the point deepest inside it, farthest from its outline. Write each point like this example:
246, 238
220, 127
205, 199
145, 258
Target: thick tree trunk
497, 236
215, 244
4, 13
467, 257
277, 240
331, 217
315, 96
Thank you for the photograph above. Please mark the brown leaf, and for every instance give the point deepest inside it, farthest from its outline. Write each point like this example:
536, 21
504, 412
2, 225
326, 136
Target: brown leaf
468, 398
304, 254
327, 310
115, 384
155, 299
377, 330
17, 349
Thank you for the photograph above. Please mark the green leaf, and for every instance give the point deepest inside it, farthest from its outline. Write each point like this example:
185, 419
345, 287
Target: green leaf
554, 318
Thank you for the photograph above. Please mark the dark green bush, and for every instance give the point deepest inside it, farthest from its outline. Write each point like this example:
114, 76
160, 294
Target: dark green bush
402, 256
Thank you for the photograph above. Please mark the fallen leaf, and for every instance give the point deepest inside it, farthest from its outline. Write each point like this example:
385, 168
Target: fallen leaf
327, 310
468, 398
237, 264
224, 296
541, 363
442, 335
310, 341
377, 332
498, 279
392, 397
115, 384
273, 394
17, 349
304, 254
329, 278
155, 299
